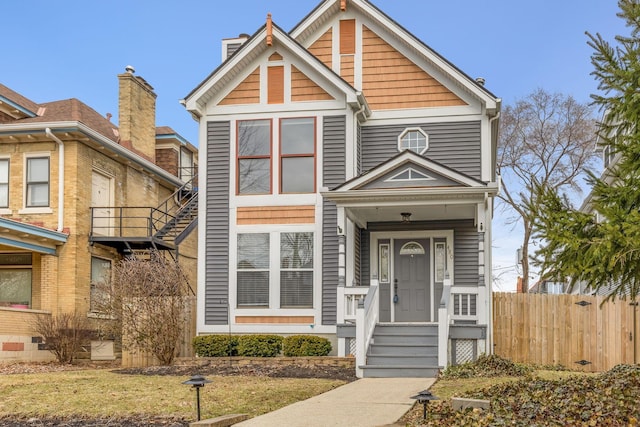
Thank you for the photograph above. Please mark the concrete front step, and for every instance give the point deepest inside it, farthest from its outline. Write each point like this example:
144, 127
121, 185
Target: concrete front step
413, 371
404, 338
401, 360
404, 349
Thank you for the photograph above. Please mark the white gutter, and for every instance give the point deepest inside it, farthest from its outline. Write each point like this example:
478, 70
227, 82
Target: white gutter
101, 139
50, 134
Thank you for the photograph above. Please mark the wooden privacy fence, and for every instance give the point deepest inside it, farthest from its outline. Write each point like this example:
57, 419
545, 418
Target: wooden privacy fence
570, 330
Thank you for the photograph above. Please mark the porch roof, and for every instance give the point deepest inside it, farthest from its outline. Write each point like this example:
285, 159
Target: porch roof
30, 237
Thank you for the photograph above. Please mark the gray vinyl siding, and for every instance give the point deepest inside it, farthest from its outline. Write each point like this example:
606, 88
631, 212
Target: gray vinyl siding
358, 149
217, 224
333, 174
465, 242
454, 144
365, 255
357, 273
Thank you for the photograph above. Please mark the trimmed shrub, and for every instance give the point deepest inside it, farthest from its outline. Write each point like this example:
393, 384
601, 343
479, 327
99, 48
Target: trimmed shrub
306, 345
216, 345
259, 345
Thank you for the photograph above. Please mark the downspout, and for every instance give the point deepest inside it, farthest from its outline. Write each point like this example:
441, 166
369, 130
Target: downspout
50, 134
490, 344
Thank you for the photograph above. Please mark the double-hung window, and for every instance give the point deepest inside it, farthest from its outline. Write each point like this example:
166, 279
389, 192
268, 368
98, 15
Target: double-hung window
296, 270
254, 157
37, 182
15, 280
297, 155
262, 266
100, 281
253, 270
4, 183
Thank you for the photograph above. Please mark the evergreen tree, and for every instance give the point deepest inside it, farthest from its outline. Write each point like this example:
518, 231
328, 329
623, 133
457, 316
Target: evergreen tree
603, 252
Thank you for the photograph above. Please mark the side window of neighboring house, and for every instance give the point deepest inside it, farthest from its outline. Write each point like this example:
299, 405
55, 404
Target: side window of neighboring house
37, 182
254, 157
100, 278
15, 280
4, 183
186, 165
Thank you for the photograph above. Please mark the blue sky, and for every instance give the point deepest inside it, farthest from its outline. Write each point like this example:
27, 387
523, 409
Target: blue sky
75, 48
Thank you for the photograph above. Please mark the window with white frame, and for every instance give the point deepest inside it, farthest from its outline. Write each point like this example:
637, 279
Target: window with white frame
414, 139
254, 157
4, 183
297, 155
253, 270
275, 263
37, 182
100, 279
464, 304
296, 270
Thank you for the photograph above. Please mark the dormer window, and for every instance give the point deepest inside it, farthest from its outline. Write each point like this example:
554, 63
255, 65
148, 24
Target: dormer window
414, 139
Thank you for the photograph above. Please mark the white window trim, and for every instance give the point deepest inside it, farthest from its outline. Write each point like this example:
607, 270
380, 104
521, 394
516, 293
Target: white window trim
459, 290
274, 308
413, 129
34, 209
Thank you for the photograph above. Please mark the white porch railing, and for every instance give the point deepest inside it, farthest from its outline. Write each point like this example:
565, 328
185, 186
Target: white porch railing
348, 298
366, 319
444, 320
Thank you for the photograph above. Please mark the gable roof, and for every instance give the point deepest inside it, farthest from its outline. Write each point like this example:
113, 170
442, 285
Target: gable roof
254, 46
400, 162
328, 8
14, 100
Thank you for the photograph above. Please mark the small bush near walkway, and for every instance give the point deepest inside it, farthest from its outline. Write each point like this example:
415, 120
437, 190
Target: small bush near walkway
306, 345
260, 345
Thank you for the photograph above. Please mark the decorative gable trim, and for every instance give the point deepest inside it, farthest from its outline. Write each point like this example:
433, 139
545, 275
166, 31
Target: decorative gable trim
411, 175
409, 158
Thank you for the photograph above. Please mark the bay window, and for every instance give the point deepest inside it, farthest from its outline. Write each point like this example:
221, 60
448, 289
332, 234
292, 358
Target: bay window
297, 155
254, 157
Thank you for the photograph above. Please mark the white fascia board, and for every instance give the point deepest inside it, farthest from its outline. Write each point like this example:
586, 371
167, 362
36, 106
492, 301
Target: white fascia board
71, 126
313, 17
417, 196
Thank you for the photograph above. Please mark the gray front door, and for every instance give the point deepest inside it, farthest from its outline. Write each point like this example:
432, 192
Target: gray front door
411, 281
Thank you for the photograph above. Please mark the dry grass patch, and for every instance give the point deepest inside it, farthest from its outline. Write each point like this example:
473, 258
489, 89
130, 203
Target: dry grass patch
104, 394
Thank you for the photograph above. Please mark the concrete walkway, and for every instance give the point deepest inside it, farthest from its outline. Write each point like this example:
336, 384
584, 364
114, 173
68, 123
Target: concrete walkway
368, 402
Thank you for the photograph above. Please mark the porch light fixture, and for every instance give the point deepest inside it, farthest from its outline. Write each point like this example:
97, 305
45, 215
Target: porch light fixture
406, 216
197, 381
423, 398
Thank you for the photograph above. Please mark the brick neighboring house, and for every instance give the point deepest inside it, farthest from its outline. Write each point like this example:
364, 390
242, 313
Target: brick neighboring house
74, 191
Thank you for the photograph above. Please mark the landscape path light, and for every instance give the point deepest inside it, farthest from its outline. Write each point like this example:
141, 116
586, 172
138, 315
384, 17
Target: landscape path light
423, 398
197, 381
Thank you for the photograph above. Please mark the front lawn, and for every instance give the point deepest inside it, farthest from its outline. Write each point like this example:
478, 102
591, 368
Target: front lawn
101, 394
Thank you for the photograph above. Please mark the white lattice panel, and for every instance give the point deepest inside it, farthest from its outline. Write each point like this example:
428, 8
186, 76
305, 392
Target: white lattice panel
464, 351
352, 346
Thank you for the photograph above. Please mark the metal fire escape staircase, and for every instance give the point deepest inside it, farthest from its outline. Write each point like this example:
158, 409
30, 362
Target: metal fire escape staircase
139, 230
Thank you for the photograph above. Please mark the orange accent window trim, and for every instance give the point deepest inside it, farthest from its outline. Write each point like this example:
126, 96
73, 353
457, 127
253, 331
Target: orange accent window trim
299, 155
240, 158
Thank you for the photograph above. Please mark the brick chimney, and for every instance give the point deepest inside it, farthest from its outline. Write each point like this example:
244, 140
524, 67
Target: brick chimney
137, 114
